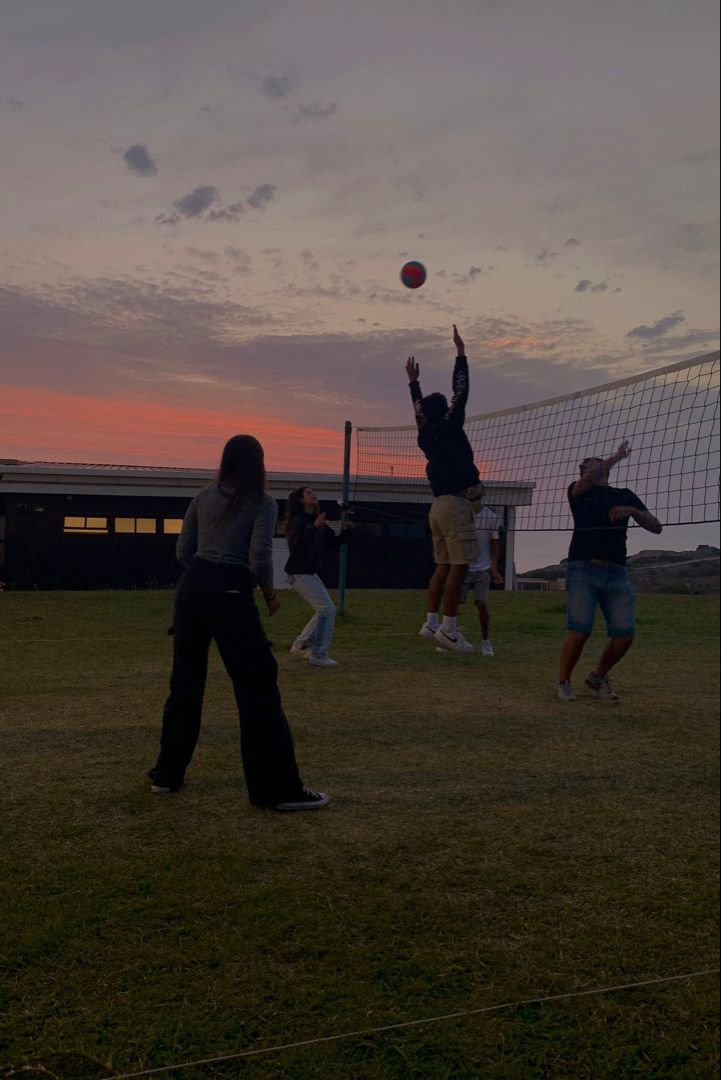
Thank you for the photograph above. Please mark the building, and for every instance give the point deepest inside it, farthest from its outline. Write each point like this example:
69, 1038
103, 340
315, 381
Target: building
78, 526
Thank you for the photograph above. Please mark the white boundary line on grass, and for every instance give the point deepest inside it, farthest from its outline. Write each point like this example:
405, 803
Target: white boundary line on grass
408, 1024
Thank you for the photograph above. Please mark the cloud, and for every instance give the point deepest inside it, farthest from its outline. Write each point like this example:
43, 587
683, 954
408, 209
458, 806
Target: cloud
205, 204
309, 261
315, 111
572, 242
230, 213
544, 257
139, 161
239, 259
659, 328
263, 194
470, 275
586, 285
275, 86
13, 103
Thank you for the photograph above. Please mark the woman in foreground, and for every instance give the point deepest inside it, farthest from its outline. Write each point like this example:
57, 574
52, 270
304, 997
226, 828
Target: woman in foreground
226, 548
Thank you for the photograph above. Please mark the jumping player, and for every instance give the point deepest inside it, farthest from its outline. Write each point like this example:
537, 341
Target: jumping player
451, 471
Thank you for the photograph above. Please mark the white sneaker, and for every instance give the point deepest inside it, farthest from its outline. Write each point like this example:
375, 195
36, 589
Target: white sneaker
299, 650
427, 632
564, 691
321, 661
454, 642
487, 648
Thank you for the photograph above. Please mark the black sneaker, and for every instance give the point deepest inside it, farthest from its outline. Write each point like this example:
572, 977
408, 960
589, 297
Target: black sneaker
307, 800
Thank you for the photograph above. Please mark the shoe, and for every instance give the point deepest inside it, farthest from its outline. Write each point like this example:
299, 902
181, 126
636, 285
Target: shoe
299, 650
160, 786
454, 642
307, 800
427, 632
321, 661
487, 648
602, 687
564, 691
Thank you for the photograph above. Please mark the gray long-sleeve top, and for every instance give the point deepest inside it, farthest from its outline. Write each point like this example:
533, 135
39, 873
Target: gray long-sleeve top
242, 538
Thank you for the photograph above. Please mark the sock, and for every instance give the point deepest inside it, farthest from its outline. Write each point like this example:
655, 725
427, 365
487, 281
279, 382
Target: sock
432, 619
450, 624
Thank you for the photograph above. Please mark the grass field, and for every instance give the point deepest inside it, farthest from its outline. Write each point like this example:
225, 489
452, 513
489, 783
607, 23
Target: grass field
486, 844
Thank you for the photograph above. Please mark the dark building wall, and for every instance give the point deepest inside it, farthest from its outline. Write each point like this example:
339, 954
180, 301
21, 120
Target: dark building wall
390, 547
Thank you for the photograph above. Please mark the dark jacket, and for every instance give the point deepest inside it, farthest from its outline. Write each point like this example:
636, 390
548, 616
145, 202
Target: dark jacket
307, 545
451, 468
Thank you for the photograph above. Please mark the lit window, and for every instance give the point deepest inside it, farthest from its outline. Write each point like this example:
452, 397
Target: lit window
135, 525
172, 526
87, 526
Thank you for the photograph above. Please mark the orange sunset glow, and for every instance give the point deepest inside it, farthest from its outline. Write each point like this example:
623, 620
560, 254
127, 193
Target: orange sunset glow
47, 425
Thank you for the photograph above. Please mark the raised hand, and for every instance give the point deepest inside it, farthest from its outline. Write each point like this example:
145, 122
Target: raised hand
624, 450
412, 369
458, 342
320, 521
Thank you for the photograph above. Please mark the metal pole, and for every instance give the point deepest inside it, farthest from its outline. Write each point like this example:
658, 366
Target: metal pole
345, 495
510, 574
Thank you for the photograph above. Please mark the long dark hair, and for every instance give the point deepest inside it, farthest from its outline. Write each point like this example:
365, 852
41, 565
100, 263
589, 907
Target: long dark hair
241, 476
295, 506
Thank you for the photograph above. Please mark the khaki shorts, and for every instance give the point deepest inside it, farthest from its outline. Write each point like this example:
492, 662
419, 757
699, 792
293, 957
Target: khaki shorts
454, 535
478, 582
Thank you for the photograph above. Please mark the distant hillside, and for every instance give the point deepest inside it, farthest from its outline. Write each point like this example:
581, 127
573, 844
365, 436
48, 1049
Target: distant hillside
661, 571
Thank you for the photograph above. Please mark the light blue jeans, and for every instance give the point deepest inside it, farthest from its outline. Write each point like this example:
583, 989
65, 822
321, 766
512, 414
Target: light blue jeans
318, 633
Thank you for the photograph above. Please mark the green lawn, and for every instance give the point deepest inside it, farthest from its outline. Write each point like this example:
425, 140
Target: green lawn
485, 844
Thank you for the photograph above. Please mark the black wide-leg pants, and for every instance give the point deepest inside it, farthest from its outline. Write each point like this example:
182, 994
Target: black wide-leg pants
215, 602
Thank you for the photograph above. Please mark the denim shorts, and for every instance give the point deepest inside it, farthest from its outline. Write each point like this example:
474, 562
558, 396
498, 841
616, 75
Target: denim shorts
605, 584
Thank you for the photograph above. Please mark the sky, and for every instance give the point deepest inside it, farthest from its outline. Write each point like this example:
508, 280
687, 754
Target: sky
206, 207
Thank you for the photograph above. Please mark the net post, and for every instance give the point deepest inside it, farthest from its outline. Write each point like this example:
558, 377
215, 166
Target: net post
510, 574
345, 495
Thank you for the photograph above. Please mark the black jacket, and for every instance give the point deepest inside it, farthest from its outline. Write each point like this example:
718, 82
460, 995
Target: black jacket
307, 545
451, 468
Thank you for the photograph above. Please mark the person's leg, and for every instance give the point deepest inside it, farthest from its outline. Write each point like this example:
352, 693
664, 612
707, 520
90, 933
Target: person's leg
618, 604
581, 598
459, 535
181, 716
571, 654
615, 650
266, 743
314, 592
452, 592
484, 618
436, 588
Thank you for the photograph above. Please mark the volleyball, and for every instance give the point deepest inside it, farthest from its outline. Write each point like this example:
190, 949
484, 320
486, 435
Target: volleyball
413, 274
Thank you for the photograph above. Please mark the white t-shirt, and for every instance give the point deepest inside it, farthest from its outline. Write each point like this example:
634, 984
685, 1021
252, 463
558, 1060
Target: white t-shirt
486, 523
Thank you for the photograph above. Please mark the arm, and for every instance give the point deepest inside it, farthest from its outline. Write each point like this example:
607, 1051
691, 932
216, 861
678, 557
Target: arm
640, 515
413, 371
598, 474
457, 411
496, 575
187, 544
261, 552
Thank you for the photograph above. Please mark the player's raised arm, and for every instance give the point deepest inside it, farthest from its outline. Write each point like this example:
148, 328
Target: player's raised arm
595, 470
457, 411
413, 371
